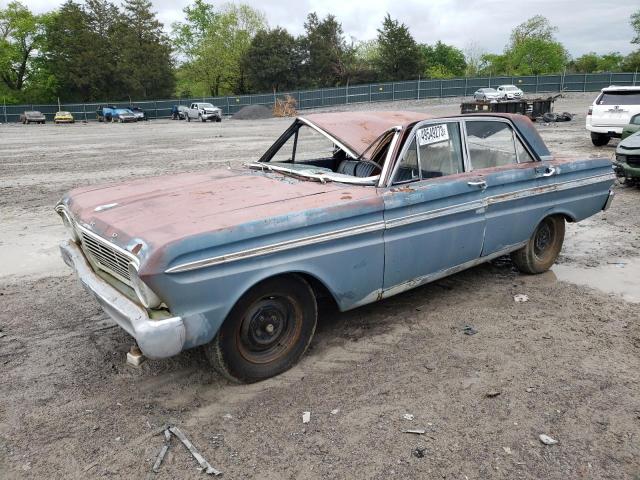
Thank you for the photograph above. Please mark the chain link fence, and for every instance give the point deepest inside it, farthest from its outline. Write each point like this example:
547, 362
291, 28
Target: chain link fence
327, 97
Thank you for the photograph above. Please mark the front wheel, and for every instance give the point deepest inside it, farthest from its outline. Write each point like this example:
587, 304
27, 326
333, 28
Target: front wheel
267, 331
188, 118
543, 248
202, 119
599, 139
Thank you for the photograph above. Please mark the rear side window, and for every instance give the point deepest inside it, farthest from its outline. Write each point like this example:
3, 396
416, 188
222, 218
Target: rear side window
490, 144
619, 98
635, 120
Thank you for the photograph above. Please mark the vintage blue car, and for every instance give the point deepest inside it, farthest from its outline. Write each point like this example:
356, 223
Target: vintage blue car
354, 207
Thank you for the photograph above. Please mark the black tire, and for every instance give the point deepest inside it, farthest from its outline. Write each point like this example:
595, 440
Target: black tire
202, 119
267, 331
218, 120
599, 139
188, 118
543, 248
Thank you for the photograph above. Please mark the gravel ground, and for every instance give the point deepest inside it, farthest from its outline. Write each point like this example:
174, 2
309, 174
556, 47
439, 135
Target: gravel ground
565, 363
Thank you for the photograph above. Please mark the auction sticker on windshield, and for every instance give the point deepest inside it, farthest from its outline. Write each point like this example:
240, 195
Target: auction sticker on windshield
433, 134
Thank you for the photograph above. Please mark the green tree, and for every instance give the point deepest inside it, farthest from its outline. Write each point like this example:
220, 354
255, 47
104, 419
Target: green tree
635, 24
21, 36
593, 63
271, 60
443, 61
146, 52
213, 44
324, 52
399, 57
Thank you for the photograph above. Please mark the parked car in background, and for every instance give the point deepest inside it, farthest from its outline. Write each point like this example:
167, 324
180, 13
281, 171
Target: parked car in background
611, 111
31, 116
627, 163
486, 94
351, 206
632, 127
123, 115
179, 112
509, 92
63, 117
204, 112
105, 113
139, 113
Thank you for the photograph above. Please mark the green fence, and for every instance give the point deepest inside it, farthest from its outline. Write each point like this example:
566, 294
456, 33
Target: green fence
375, 92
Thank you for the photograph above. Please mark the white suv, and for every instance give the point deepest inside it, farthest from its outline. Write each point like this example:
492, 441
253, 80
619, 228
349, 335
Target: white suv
509, 92
611, 111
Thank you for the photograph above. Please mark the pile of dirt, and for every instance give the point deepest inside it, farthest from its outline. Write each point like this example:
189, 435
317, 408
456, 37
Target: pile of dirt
253, 112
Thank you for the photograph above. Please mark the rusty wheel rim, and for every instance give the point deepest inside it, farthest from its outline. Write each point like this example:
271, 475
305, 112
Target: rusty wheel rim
544, 238
269, 329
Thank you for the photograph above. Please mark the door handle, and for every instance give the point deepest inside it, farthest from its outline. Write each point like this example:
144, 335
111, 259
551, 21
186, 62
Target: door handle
478, 183
546, 171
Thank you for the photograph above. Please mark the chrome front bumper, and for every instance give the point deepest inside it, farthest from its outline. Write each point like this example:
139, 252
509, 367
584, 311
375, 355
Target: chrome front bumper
156, 338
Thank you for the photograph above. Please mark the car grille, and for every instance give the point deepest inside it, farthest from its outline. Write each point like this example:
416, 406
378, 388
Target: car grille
634, 160
106, 256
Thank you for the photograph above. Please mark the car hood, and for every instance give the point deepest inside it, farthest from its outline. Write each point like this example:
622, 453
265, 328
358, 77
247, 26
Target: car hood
179, 212
632, 142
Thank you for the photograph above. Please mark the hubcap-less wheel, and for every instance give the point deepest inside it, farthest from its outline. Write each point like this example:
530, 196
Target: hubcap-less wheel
543, 247
267, 331
270, 327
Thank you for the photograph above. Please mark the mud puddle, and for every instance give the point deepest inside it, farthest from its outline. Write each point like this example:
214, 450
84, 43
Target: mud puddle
621, 277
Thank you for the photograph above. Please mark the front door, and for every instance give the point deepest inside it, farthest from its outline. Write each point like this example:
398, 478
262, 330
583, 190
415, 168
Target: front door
434, 211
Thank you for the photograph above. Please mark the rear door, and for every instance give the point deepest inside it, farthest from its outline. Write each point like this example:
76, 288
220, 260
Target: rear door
507, 168
434, 210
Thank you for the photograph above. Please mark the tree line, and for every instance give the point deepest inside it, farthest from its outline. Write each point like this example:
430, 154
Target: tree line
99, 51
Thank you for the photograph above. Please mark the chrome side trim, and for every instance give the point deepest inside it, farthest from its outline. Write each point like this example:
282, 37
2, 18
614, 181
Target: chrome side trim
440, 212
278, 247
554, 187
416, 282
393, 223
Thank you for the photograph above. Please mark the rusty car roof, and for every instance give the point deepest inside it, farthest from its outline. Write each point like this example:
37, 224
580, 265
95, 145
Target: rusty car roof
358, 130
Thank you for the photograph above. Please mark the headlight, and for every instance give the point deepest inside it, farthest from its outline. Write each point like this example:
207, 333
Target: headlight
145, 294
68, 224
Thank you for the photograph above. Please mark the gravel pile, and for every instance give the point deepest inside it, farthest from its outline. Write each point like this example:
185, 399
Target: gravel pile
253, 112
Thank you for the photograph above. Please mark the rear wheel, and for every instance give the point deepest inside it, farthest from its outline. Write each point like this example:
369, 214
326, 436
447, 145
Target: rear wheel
599, 139
188, 118
267, 331
543, 248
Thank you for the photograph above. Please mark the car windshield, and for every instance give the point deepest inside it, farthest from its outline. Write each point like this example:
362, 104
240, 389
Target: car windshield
622, 97
206, 105
307, 152
64, 113
33, 112
510, 88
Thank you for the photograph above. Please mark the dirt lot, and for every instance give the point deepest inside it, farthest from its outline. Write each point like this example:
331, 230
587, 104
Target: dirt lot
566, 363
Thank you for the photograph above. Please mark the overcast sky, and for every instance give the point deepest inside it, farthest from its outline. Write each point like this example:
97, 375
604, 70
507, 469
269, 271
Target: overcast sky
583, 25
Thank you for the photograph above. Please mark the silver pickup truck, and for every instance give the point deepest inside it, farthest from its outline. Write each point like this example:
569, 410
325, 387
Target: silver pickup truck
204, 112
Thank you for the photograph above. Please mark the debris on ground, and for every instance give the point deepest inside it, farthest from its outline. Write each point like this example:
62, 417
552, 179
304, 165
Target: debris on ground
408, 416
469, 330
205, 466
507, 450
253, 112
551, 117
286, 107
415, 431
306, 417
547, 440
492, 393
521, 298
335, 411
418, 452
